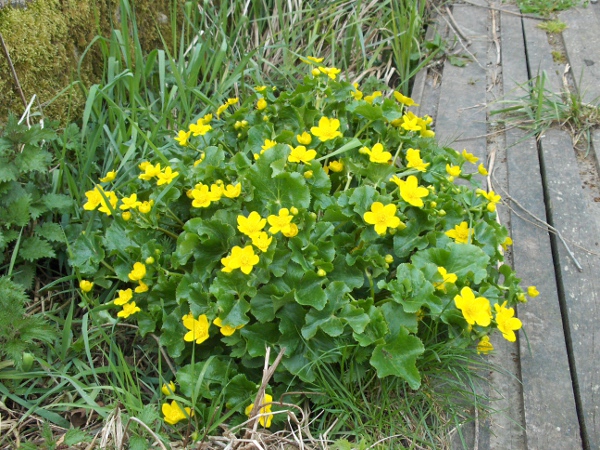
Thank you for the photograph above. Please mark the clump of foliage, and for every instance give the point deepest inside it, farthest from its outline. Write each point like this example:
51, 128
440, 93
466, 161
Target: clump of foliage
28, 206
307, 220
19, 333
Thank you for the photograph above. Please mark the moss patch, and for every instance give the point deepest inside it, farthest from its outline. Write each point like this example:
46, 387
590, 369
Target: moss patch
47, 39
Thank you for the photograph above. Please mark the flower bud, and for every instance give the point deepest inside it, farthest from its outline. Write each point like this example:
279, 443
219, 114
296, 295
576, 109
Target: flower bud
441, 213
294, 210
321, 273
149, 260
389, 259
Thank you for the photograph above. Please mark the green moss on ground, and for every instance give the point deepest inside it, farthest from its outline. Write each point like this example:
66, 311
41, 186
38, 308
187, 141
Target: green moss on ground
47, 38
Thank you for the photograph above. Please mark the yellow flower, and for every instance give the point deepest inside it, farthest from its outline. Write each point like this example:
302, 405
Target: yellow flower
377, 154
482, 170
327, 129
304, 138
240, 258
301, 155
221, 109
201, 196
267, 145
508, 241
261, 240
315, 59
369, 98
198, 328
86, 286
150, 171
166, 176
448, 278
491, 197
413, 157
453, 170
215, 193
291, 231
168, 389
461, 233
183, 137
251, 225
331, 72
264, 420
280, 222
200, 128
507, 323
130, 202
532, 291
336, 166
142, 287
383, 217
411, 122
98, 197
173, 412
109, 176
356, 94
470, 157
124, 296
484, 346
404, 100
474, 310
145, 207
232, 191
410, 191
261, 104
138, 272
226, 330
260, 88
128, 310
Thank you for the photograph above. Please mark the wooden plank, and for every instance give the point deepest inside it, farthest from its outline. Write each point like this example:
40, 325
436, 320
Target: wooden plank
582, 43
580, 291
539, 56
550, 414
461, 114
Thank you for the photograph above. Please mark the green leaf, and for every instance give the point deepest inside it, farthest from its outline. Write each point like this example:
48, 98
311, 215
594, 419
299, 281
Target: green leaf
412, 290
205, 378
86, 253
76, 436
398, 358
371, 112
285, 189
310, 291
8, 172
117, 239
58, 202
51, 231
33, 159
258, 337
34, 247
172, 334
464, 260
239, 392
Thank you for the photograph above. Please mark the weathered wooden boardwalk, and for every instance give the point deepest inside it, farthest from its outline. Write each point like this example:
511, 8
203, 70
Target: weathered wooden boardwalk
549, 397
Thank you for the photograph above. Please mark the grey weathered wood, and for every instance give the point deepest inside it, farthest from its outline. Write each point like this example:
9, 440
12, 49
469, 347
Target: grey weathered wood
426, 85
570, 214
539, 56
461, 114
550, 414
582, 43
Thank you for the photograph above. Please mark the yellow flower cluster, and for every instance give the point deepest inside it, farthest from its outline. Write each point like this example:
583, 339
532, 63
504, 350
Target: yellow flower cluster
164, 176
203, 195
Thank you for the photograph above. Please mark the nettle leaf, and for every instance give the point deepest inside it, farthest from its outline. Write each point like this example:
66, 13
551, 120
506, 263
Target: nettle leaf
464, 260
17, 213
57, 202
33, 159
8, 172
398, 357
34, 248
117, 239
51, 231
199, 379
412, 290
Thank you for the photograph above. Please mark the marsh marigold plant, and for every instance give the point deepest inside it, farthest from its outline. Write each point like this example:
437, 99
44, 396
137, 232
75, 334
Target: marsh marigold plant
303, 220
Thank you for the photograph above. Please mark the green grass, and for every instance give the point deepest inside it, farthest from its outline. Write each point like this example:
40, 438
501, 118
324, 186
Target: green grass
97, 373
553, 26
546, 7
